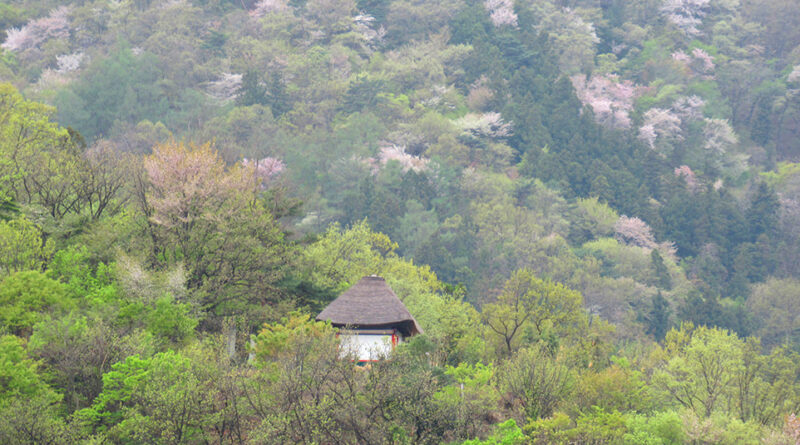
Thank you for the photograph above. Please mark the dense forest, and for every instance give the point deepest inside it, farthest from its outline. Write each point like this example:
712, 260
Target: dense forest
592, 207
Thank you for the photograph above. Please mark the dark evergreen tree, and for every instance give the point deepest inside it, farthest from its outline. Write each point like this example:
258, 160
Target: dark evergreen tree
277, 97
663, 279
762, 214
658, 319
252, 91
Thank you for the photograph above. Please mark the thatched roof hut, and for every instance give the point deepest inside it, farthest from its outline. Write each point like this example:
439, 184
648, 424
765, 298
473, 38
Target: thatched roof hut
370, 304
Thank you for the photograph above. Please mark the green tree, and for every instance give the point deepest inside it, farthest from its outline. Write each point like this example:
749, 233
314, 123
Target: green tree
22, 246
213, 219
528, 302
29, 297
164, 399
773, 304
700, 374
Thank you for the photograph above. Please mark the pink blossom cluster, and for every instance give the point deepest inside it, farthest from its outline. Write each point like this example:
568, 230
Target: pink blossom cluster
635, 232
688, 175
501, 12
686, 15
264, 7
266, 168
792, 427
700, 61
54, 26
392, 152
610, 99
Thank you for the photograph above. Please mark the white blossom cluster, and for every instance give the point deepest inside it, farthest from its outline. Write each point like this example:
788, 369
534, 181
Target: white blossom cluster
226, 87
501, 12
489, 125
689, 108
660, 123
264, 7
794, 76
54, 26
364, 25
686, 15
69, 62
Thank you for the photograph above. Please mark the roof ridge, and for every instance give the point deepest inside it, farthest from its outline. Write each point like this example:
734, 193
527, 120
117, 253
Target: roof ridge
369, 302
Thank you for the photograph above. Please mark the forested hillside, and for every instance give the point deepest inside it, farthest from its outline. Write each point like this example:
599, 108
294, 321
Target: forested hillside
592, 207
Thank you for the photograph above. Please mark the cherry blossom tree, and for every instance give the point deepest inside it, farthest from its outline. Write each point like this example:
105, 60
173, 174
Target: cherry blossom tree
686, 15
635, 232
364, 25
398, 153
501, 12
719, 137
265, 169
688, 175
53, 26
699, 61
610, 99
69, 62
794, 76
490, 125
264, 7
661, 129
226, 88
689, 108
189, 184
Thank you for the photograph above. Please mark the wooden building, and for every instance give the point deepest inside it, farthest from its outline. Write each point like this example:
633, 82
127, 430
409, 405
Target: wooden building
372, 320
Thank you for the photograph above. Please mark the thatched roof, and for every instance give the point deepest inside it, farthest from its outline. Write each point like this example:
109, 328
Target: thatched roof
370, 303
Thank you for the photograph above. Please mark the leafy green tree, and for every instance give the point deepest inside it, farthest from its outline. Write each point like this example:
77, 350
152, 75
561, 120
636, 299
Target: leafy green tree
700, 374
19, 376
658, 428
28, 406
214, 220
470, 398
163, 399
29, 297
528, 302
22, 246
